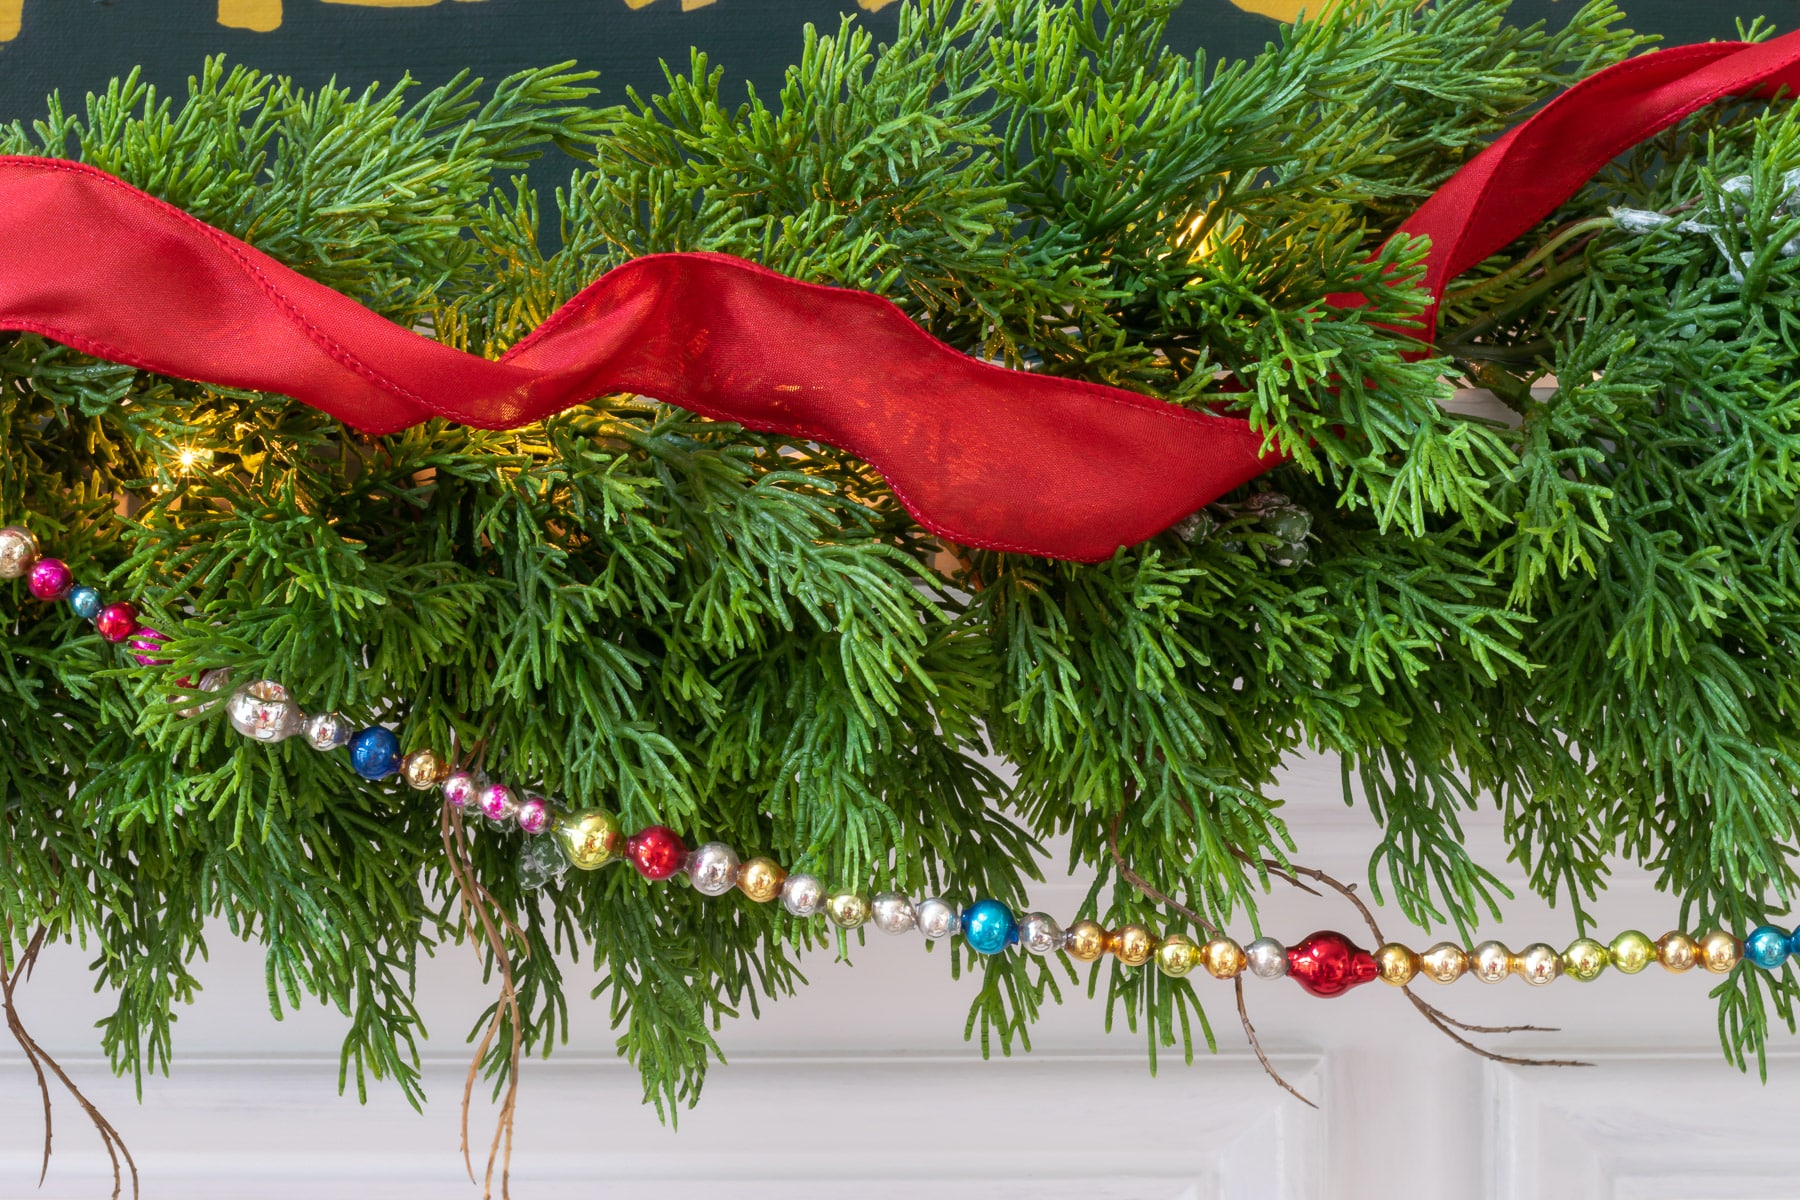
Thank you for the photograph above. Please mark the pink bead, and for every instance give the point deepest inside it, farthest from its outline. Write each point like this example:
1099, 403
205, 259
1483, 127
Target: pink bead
144, 647
117, 622
534, 815
50, 579
498, 802
459, 789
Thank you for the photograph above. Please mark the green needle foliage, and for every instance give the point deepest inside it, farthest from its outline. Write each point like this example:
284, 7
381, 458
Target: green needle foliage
1584, 619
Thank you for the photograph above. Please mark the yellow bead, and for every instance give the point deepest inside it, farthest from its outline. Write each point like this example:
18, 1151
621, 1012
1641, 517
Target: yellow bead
1132, 945
1719, 951
1677, 952
1176, 956
1445, 962
761, 879
1631, 952
424, 770
1086, 941
1224, 958
1538, 964
589, 839
1491, 962
1397, 964
846, 910
1584, 959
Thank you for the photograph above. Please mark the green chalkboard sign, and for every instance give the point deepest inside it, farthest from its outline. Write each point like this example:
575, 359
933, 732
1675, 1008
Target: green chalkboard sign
76, 45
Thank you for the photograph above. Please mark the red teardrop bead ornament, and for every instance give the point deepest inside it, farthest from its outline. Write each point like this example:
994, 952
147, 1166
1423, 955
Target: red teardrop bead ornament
657, 852
1329, 964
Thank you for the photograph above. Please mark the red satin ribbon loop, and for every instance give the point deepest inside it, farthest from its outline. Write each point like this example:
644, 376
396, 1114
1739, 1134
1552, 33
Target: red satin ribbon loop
985, 456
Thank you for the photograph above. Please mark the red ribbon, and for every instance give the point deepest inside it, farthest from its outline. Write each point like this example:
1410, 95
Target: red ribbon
985, 456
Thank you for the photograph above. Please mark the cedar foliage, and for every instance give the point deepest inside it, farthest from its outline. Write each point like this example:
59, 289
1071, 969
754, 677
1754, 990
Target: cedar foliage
1582, 620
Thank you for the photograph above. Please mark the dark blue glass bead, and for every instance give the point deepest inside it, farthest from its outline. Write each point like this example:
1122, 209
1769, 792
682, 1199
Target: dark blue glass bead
1767, 947
86, 602
375, 753
989, 927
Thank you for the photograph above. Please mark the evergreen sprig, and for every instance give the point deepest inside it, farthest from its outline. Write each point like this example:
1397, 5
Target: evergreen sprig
1585, 620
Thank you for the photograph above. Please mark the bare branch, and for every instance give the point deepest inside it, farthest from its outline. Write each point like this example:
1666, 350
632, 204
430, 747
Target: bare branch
39, 1059
1256, 1045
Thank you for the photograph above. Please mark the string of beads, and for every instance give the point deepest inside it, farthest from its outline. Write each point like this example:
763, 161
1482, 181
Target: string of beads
1325, 963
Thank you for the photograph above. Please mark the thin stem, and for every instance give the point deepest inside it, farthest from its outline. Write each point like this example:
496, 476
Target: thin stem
1442, 1021
39, 1059
1137, 881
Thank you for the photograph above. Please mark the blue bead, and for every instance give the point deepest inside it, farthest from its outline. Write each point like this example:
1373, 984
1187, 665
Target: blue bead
375, 753
1767, 947
86, 602
989, 927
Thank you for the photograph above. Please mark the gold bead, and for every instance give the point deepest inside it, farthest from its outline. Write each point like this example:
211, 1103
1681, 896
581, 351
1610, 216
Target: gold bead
1132, 945
1445, 962
1677, 952
1086, 941
424, 770
1397, 964
1491, 962
846, 909
1631, 952
1538, 964
1719, 951
761, 879
1584, 960
1224, 958
1176, 956
589, 839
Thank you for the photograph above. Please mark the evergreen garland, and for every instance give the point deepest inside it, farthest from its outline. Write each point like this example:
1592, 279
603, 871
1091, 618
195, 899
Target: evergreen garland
1584, 619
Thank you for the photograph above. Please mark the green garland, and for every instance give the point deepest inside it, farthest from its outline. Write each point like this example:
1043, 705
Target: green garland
1589, 620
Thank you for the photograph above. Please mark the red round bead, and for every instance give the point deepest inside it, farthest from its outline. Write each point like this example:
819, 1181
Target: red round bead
117, 622
1329, 964
50, 579
657, 852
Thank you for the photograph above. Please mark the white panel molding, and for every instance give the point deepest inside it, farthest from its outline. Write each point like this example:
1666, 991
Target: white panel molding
1677, 1126
1080, 1127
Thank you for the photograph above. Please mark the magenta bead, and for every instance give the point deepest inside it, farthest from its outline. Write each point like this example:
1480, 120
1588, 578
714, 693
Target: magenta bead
50, 579
460, 789
534, 815
144, 647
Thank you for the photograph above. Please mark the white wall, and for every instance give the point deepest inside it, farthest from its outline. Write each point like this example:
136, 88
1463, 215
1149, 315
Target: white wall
863, 1086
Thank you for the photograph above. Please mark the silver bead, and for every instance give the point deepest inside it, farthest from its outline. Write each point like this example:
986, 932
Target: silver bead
713, 869
328, 731
18, 552
262, 712
937, 918
803, 895
1267, 958
893, 913
1040, 934
210, 681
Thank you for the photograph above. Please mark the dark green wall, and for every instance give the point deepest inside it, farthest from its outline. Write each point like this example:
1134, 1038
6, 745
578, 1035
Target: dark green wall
76, 45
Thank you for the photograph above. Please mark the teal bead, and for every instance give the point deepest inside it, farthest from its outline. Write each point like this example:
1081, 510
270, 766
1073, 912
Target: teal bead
989, 927
86, 602
1767, 947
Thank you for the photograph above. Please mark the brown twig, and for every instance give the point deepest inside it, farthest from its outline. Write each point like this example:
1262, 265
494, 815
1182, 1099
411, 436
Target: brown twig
1142, 885
39, 1058
1441, 1020
481, 909
1256, 1045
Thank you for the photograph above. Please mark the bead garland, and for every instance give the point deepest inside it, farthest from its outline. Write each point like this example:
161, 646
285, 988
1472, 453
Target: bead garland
1325, 964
